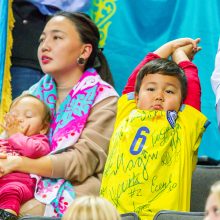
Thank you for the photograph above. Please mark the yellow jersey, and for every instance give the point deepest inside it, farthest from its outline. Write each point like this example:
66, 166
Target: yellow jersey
151, 158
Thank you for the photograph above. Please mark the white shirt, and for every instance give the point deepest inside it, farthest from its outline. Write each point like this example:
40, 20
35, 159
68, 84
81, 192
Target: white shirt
215, 81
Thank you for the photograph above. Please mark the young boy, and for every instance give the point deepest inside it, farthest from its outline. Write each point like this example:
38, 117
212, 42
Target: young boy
26, 126
153, 150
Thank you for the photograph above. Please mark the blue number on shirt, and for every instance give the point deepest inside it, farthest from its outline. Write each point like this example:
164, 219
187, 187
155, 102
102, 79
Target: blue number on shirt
143, 141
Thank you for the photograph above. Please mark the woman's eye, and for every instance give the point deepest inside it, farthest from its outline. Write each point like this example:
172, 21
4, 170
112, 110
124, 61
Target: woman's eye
41, 40
57, 37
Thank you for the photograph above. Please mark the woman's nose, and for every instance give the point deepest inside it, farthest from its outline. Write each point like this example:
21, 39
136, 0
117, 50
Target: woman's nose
44, 46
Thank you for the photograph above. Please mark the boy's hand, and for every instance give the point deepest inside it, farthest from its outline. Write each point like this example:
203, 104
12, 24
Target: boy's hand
186, 52
169, 48
188, 43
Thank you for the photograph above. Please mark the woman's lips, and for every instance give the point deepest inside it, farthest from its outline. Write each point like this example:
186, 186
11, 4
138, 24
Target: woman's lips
45, 59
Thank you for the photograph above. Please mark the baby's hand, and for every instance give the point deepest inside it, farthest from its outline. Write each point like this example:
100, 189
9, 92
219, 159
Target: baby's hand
12, 125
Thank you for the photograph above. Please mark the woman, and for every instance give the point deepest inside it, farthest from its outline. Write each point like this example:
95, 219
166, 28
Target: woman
83, 109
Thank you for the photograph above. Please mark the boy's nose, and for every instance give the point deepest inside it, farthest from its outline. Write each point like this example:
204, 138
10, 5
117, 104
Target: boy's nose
160, 96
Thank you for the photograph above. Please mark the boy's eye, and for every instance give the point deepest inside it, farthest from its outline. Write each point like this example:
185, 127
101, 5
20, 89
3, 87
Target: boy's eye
150, 89
169, 92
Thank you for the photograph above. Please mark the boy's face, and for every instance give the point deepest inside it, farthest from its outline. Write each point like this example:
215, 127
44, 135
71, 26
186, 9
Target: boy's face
29, 112
159, 92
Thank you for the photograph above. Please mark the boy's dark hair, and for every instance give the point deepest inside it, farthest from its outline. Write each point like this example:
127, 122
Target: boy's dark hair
164, 67
47, 113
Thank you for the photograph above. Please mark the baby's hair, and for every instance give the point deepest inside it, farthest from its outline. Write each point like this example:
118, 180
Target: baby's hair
47, 113
215, 188
91, 208
164, 67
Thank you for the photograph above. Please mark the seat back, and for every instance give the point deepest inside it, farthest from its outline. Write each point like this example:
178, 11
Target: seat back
175, 215
129, 216
30, 217
203, 178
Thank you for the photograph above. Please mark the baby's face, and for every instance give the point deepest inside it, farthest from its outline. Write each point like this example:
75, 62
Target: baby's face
159, 92
212, 209
30, 113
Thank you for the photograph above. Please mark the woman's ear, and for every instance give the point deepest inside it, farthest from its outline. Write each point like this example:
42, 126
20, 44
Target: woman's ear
86, 51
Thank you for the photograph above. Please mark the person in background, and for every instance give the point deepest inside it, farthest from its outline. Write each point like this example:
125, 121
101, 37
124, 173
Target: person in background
215, 81
83, 108
91, 208
212, 207
30, 19
153, 149
25, 129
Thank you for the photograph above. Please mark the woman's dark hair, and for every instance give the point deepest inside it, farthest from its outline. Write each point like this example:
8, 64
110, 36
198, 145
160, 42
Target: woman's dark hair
164, 67
89, 33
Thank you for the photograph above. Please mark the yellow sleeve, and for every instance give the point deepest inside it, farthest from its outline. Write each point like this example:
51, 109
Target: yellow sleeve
195, 123
126, 104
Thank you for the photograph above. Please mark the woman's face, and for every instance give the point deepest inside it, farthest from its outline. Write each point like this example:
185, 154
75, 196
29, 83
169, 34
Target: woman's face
212, 209
59, 47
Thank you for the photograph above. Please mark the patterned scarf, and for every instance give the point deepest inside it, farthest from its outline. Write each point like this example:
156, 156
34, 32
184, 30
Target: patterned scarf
66, 126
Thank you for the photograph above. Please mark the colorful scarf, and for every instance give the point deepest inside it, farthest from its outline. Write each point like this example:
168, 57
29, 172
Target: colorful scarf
66, 126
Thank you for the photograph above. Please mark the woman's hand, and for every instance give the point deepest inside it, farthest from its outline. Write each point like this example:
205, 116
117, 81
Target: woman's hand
8, 164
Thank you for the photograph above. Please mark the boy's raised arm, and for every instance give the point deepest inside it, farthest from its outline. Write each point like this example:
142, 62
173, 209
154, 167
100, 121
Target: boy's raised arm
182, 57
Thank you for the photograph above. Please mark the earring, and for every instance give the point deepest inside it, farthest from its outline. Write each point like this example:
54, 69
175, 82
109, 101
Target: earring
81, 60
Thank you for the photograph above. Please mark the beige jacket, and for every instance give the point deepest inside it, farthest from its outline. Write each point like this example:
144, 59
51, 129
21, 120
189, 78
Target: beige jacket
83, 163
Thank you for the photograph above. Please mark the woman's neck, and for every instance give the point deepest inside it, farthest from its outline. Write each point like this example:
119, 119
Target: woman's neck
65, 83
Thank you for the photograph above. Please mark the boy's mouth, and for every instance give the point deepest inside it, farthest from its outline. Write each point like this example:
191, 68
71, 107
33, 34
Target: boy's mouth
157, 107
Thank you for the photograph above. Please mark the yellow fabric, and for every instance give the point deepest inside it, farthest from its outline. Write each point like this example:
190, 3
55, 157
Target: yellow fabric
157, 176
6, 88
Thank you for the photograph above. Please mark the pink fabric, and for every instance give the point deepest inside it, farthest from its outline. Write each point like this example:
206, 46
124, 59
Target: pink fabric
17, 188
193, 83
34, 147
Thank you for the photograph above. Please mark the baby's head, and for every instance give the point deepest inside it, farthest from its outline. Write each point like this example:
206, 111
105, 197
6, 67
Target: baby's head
212, 207
91, 208
33, 114
160, 85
